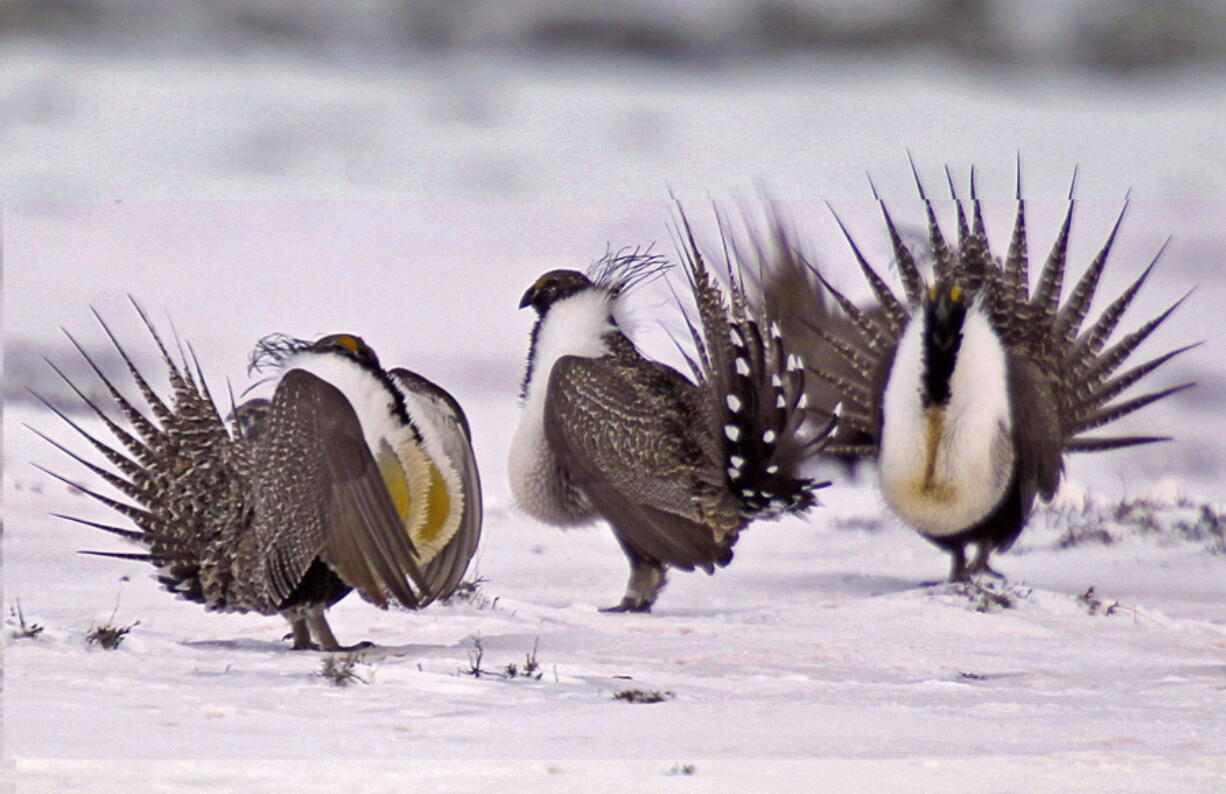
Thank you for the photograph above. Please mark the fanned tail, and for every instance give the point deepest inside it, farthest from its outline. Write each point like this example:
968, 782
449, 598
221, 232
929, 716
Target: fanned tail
175, 469
756, 383
849, 353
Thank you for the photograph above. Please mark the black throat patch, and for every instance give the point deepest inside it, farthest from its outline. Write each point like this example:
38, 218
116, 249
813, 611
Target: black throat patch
943, 321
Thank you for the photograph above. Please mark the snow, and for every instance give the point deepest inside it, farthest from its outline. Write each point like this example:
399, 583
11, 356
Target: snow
412, 204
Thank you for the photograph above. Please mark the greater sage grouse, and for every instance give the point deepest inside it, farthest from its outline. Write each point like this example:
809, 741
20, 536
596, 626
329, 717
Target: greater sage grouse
349, 477
677, 467
972, 388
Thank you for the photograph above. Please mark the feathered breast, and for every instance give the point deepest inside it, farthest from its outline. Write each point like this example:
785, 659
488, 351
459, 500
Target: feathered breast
945, 467
574, 326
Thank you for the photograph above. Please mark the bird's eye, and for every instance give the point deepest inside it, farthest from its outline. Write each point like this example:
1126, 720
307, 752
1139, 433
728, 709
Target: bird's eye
955, 293
932, 292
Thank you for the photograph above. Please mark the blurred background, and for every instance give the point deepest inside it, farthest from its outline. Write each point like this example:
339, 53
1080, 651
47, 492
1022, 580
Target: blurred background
490, 99
404, 168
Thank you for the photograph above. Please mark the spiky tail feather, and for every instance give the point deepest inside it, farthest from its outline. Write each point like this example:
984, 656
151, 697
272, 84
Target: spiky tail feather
755, 384
1039, 327
178, 499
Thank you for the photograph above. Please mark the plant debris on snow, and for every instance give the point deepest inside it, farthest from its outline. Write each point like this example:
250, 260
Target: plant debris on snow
23, 631
108, 635
338, 669
1095, 605
531, 669
469, 592
643, 695
986, 595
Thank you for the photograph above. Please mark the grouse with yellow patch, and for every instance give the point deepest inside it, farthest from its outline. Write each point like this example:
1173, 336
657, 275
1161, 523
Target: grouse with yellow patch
348, 477
971, 388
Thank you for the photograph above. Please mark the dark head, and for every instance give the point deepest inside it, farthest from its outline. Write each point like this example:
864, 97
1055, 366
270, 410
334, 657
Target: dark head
272, 351
553, 287
944, 314
348, 345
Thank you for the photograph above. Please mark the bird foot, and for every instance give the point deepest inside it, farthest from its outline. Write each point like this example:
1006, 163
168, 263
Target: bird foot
987, 570
314, 646
629, 605
357, 646
300, 643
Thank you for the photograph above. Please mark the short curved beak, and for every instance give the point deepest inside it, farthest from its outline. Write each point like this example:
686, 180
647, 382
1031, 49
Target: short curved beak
528, 297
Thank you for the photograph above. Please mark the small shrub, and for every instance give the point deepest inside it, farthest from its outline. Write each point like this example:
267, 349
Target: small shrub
338, 669
989, 596
643, 696
109, 636
474, 660
531, 668
23, 631
469, 592
683, 769
1095, 605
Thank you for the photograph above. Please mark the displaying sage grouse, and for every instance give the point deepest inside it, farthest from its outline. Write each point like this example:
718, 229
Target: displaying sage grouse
972, 389
677, 467
349, 477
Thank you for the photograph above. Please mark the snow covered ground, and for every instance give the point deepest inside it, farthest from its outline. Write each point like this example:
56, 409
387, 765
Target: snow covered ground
412, 204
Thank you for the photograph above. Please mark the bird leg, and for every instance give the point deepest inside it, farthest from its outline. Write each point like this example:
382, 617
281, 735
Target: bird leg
957, 568
980, 563
320, 630
310, 632
646, 581
301, 635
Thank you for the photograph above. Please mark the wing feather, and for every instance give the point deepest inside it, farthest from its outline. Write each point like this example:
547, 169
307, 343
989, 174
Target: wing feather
626, 433
318, 478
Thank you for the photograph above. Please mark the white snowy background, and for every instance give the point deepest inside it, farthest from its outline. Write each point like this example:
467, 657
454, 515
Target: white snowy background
352, 177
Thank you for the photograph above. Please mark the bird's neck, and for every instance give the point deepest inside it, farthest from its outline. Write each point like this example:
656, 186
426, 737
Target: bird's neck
378, 403
576, 326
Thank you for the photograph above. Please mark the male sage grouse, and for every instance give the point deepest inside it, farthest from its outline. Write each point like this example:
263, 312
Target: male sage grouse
349, 477
677, 467
972, 389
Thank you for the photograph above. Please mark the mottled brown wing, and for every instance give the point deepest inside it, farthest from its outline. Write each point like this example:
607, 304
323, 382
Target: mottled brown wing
320, 494
444, 572
632, 435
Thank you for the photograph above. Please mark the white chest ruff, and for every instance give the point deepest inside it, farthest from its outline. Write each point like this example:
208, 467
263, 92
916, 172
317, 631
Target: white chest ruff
575, 326
942, 470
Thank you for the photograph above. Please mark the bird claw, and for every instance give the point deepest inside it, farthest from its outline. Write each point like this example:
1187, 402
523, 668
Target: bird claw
314, 646
628, 605
356, 646
302, 646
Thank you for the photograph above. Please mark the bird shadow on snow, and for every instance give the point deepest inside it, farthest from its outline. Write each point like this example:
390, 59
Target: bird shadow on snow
866, 585
282, 647
842, 583
258, 646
